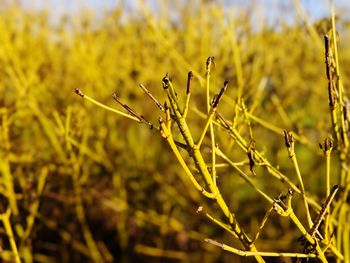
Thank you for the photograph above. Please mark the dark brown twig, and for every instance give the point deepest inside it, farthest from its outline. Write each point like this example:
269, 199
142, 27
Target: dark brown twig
329, 72
189, 79
323, 211
250, 153
149, 94
288, 138
218, 97
131, 111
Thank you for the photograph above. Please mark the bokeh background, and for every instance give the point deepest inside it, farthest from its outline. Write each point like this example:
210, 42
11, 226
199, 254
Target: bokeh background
86, 185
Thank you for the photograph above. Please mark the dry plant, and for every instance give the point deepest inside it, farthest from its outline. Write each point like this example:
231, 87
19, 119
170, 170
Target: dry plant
325, 236
78, 184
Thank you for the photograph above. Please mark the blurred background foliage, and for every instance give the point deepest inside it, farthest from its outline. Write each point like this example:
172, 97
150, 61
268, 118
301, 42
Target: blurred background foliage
98, 187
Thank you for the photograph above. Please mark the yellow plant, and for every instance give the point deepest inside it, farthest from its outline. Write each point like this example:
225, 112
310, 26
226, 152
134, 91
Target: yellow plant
79, 184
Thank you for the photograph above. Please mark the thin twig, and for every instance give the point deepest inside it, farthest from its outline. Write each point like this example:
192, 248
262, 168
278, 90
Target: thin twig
149, 94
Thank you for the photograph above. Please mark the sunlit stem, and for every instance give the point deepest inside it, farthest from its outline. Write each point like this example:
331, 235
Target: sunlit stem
206, 126
169, 138
99, 104
173, 94
328, 190
254, 253
188, 97
210, 116
168, 119
5, 218
339, 81
210, 61
222, 225
188, 94
267, 214
289, 139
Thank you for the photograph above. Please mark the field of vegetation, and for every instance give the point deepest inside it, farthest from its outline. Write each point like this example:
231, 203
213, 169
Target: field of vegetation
186, 131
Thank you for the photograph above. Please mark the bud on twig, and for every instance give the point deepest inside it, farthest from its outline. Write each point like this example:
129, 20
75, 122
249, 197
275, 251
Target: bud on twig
166, 81
189, 79
327, 145
79, 92
288, 138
